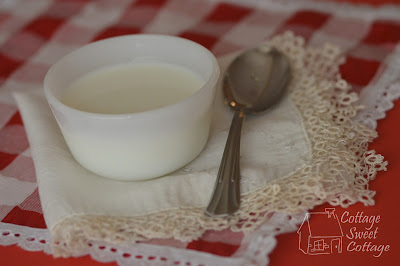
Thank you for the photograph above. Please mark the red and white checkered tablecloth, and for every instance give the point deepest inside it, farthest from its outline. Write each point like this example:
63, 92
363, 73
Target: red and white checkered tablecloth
35, 34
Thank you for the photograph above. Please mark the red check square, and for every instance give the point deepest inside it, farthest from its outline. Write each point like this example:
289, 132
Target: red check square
6, 159
15, 120
304, 23
8, 65
44, 26
19, 216
359, 71
225, 12
309, 19
217, 248
384, 32
114, 31
203, 39
155, 3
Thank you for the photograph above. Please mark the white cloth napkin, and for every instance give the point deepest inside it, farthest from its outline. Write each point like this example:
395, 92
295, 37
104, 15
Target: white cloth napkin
273, 145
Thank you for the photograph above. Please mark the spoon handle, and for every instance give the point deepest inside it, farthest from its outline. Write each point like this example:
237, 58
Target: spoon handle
225, 199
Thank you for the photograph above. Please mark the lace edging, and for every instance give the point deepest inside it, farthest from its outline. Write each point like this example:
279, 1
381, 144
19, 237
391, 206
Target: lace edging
339, 172
31, 239
381, 95
256, 253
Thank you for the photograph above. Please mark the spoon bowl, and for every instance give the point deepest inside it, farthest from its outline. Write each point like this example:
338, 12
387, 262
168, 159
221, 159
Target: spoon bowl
255, 81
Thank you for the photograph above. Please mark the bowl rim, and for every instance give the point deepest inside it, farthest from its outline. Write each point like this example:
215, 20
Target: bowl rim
178, 106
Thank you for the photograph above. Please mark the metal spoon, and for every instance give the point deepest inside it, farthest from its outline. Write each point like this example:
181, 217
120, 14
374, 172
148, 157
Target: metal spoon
254, 81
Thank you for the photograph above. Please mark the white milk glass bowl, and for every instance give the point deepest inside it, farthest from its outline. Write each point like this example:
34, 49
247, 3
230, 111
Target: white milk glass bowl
142, 145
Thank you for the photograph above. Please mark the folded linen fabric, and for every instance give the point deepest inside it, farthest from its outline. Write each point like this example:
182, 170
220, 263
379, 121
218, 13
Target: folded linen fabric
303, 152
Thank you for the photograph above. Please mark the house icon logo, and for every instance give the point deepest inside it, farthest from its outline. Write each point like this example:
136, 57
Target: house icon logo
317, 241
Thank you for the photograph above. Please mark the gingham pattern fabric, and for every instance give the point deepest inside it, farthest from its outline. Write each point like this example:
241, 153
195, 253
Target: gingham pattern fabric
35, 34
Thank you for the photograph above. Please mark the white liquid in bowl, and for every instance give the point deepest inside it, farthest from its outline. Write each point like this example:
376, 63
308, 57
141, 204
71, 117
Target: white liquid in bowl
131, 88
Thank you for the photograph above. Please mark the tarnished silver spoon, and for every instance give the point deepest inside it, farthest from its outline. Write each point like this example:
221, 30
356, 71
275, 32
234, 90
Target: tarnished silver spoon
253, 82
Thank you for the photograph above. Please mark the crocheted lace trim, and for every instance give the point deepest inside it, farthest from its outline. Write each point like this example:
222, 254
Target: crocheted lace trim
339, 172
380, 96
257, 246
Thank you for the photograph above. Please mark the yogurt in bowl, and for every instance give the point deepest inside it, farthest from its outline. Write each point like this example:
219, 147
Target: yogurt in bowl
134, 107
